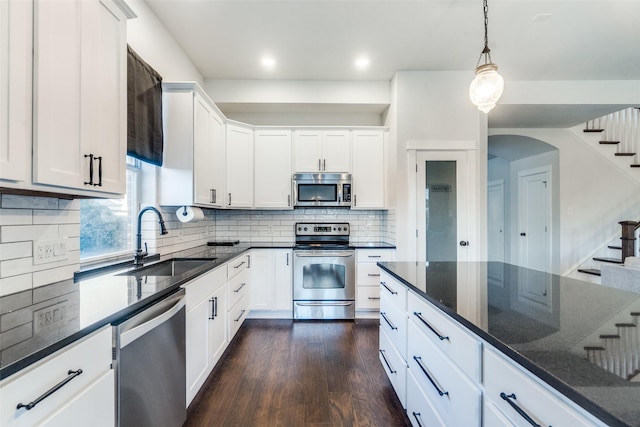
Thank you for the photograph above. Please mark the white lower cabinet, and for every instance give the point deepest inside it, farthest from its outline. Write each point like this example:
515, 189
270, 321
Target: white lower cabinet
239, 292
272, 283
456, 398
516, 395
394, 365
87, 398
368, 277
419, 408
206, 326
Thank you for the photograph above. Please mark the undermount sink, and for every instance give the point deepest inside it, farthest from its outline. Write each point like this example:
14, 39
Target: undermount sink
170, 267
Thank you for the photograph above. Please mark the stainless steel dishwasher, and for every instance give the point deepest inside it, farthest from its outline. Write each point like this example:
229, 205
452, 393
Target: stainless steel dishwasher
149, 351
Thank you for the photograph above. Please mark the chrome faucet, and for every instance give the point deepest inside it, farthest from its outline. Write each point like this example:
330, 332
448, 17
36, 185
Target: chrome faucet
140, 254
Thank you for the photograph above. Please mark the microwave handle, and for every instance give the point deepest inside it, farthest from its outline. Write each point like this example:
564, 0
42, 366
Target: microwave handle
294, 191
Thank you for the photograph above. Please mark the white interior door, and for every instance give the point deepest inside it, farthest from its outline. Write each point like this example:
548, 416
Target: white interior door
495, 221
534, 219
441, 201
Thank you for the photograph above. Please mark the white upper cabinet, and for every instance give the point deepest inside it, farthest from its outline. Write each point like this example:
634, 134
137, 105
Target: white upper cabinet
194, 135
322, 151
368, 169
272, 181
239, 166
80, 95
16, 24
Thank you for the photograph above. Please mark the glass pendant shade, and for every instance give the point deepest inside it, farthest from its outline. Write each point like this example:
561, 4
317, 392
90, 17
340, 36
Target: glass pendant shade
486, 88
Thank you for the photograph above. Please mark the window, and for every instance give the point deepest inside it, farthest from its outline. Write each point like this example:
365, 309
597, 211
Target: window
107, 226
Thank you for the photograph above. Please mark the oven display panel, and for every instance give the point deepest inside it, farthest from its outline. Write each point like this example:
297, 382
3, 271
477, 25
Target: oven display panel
323, 229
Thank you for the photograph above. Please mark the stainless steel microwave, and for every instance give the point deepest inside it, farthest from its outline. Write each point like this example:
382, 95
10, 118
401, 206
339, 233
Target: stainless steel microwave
322, 189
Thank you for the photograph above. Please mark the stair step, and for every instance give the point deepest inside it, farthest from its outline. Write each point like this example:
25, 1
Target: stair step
635, 313
635, 165
625, 325
593, 130
592, 271
610, 336
593, 347
625, 154
615, 247
607, 259
609, 142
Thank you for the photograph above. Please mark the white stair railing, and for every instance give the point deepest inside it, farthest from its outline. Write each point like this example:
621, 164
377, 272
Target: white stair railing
622, 126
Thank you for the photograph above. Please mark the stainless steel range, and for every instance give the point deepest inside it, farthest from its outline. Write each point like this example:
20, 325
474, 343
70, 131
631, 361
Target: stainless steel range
323, 272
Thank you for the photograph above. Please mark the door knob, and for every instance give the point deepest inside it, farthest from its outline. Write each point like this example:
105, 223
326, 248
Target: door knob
464, 243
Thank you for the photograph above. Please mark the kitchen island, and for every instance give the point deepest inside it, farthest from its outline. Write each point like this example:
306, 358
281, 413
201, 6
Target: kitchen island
577, 338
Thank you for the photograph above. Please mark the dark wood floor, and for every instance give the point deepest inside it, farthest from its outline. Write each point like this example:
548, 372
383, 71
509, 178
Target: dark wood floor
294, 374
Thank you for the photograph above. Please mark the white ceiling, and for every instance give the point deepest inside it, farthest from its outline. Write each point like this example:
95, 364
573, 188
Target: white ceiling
320, 39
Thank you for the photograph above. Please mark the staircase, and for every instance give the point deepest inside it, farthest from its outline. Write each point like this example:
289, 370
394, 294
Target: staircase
617, 137
626, 248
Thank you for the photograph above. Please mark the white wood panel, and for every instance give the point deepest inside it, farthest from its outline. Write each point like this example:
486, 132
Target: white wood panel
368, 170
239, 167
272, 182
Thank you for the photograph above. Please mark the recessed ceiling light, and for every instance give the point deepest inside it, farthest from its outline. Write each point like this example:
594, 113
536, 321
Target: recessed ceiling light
268, 62
362, 63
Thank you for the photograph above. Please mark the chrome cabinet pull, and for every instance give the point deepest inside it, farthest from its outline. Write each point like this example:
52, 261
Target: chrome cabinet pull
99, 183
388, 288
387, 362
212, 195
239, 317
289, 200
373, 275
391, 325
375, 298
424, 370
71, 375
374, 256
90, 182
287, 258
241, 286
416, 415
229, 199
239, 265
438, 334
213, 309
508, 398
319, 165
355, 200
324, 164
248, 261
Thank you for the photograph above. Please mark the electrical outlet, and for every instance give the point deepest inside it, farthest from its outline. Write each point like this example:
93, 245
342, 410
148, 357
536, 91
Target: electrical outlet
46, 251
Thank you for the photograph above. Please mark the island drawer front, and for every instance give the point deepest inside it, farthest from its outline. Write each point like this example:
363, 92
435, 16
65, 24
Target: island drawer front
544, 405
92, 355
238, 314
367, 274
394, 322
375, 255
393, 289
461, 347
202, 286
238, 287
237, 265
368, 297
460, 403
395, 367
419, 409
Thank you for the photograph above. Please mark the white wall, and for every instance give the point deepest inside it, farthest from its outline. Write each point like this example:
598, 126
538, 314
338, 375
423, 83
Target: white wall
432, 109
593, 195
151, 40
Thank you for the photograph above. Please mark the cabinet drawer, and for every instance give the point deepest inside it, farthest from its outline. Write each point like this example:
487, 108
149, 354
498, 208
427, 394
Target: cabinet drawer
393, 289
491, 415
368, 274
237, 265
419, 409
237, 314
458, 345
201, 287
375, 255
394, 322
238, 287
394, 365
456, 398
503, 378
368, 298
92, 355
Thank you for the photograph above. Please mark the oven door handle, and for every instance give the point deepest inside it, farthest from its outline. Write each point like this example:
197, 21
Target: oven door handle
319, 304
323, 254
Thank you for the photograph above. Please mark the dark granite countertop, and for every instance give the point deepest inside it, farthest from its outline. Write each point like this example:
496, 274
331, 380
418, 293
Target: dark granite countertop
544, 322
40, 321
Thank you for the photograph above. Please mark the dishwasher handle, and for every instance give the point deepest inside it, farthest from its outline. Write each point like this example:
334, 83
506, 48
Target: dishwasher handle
157, 314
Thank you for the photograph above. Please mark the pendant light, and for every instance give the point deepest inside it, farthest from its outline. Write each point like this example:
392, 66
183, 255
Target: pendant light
486, 88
